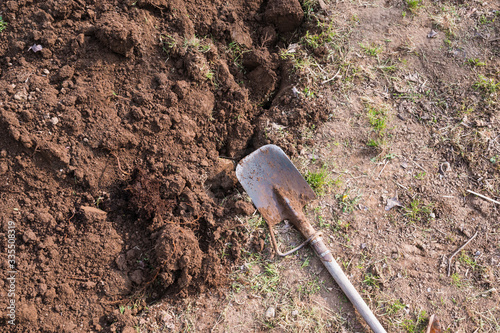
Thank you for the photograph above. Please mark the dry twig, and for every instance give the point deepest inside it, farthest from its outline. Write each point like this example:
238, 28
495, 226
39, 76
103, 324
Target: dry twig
459, 249
119, 166
484, 197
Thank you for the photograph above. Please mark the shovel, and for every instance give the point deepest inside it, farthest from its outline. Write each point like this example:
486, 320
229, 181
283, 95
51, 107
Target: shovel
280, 192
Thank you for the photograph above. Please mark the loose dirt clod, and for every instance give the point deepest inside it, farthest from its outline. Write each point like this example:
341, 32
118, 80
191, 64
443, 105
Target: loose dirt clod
117, 33
179, 256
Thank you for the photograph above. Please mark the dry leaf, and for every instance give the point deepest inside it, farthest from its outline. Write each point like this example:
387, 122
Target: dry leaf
393, 202
35, 48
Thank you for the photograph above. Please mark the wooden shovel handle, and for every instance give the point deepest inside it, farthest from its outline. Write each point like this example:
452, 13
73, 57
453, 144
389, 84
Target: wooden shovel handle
298, 219
347, 287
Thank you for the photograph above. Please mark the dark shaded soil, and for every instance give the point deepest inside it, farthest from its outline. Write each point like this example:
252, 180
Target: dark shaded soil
118, 141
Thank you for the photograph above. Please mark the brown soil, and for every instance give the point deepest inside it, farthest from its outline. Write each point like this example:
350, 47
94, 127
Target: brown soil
119, 140
117, 147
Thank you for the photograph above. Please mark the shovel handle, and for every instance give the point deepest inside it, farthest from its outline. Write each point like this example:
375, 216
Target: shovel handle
302, 224
346, 286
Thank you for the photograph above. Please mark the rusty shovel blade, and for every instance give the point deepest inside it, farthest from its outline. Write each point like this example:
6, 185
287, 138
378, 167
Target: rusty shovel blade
267, 169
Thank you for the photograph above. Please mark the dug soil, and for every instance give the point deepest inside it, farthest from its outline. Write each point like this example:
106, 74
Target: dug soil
121, 122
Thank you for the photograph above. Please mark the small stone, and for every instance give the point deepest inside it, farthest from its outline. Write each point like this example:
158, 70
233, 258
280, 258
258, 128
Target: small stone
92, 213
35, 48
295, 313
393, 202
29, 235
54, 120
21, 95
363, 246
432, 215
46, 71
270, 312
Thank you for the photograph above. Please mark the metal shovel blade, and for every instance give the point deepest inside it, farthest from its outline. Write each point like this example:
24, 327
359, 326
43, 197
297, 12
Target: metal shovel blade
266, 169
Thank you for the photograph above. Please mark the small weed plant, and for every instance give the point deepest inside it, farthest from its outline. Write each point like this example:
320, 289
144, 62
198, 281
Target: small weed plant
377, 117
414, 5
326, 36
416, 326
309, 93
467, 260
376, 143
319, 181
475, 62
167, 42
487, 85
308, 7
347, 203
310, 287
372, 50
420, 175
417, 211
267, 281
371, 280
395, 307
196, 44
456, 280
236, 51
3, 24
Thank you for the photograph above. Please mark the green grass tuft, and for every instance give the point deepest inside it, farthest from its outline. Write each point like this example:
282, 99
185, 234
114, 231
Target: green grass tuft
418, 211
371, 50
487, 85
413, 5
3, 24
319, 181
377, 118
476, 62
